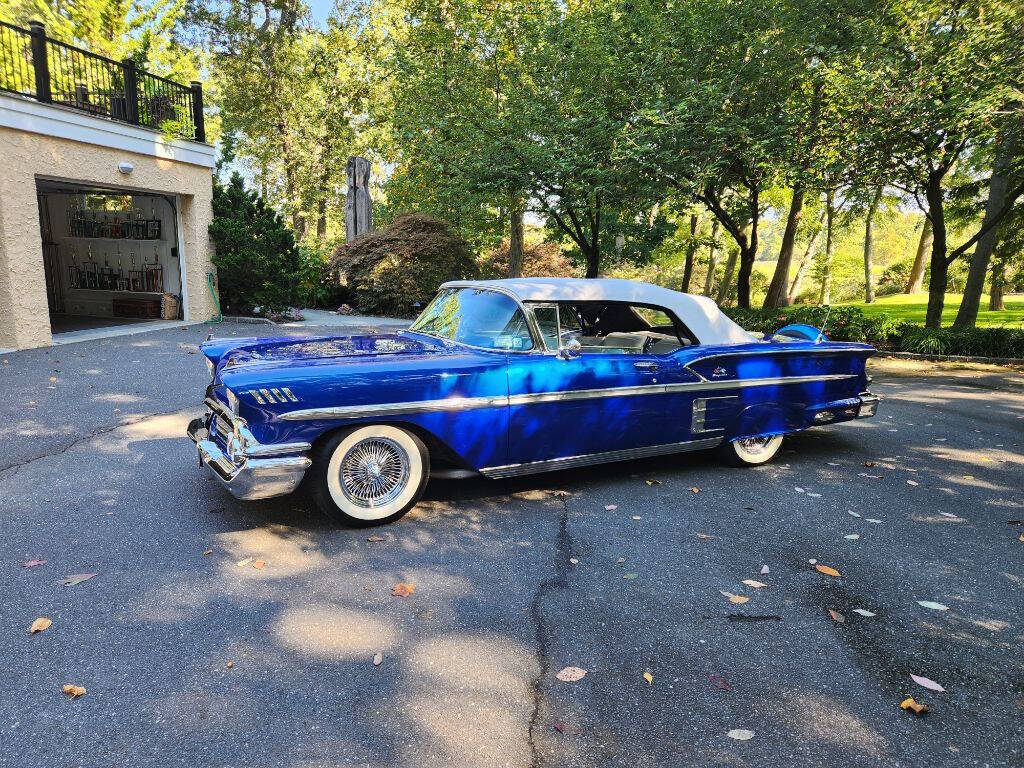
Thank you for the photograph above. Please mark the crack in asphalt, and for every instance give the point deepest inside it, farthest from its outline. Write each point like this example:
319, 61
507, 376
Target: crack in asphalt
560, 580
20, 465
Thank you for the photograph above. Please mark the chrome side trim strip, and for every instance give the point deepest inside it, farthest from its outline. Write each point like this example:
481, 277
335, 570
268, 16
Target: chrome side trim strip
533, 467
397, 409
471, 403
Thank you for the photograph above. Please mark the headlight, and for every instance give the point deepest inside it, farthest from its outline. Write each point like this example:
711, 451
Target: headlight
210, 366
232, 401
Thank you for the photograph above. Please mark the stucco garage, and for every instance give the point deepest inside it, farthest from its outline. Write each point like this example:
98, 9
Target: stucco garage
72, 187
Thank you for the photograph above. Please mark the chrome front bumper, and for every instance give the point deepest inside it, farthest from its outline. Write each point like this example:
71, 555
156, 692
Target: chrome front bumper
249, 469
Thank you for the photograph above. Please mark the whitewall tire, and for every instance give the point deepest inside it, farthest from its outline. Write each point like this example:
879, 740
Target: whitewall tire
751, 451
370, 475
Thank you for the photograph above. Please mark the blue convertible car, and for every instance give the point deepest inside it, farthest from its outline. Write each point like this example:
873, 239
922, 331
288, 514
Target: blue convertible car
510, 377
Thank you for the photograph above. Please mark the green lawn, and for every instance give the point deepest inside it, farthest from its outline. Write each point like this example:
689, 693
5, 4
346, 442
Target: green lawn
912, 307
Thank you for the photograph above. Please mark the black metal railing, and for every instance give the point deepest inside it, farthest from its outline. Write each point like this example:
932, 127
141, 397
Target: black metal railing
39, 67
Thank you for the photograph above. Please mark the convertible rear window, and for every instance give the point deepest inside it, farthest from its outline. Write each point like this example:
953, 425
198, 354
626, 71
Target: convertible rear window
479, 318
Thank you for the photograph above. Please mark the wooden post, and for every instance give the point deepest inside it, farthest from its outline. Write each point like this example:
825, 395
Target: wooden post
358, 205
197, 112
40, 64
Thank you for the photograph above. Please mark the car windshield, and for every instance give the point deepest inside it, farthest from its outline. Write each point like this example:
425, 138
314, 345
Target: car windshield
479, 318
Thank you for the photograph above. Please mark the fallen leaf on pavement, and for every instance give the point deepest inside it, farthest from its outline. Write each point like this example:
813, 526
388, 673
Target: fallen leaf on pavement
869, 463
574, 561
566, 730
630, 575
243, 563
933, 605
1021, 537
571, 674
755, 584
637, 517
375, 539
230, 665
611, 507
836, 616
863, 612
621, 560
653, 482
873, 477
765, 570
931, 685
695, 489
909, 703
827, 570
740, 734
737, 599
559, 494
798, 489
403, 589
74, 691
649, 678
258, 564
77, 578
33, 563
706, 536
207, 552
720, 682
852, 536
912, 482
39, 625
874, 520
378, 659
855, 514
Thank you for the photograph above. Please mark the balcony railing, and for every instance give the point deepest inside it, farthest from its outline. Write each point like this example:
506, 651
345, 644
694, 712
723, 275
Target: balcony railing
47, 70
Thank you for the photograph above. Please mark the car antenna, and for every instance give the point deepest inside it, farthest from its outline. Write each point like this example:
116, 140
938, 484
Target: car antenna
824, 324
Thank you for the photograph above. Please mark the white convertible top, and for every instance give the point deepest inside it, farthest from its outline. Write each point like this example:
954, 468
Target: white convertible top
699, 313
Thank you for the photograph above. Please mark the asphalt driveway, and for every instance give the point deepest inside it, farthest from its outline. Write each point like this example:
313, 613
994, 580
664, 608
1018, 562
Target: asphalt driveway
261, 652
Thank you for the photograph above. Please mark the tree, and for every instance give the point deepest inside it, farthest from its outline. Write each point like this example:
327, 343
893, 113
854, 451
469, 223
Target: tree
998, 188
937, 89
924, 245
869, 221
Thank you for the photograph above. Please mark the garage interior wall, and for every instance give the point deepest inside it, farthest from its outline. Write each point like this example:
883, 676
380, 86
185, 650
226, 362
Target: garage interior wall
74, 254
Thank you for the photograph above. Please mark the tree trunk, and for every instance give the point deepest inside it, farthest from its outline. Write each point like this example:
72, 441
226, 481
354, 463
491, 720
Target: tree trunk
730, 268
967, 315
691, 250
826, 267
801, 271
939, 269
515, 237
869, 247
995, 294
709, 279
916, 279
748, 254
592, 255
777, 292
321, 219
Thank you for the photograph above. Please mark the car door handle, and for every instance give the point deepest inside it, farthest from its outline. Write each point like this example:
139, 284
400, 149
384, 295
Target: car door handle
645, 366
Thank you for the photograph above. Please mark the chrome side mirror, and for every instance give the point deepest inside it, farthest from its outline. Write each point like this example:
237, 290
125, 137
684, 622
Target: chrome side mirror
570, 349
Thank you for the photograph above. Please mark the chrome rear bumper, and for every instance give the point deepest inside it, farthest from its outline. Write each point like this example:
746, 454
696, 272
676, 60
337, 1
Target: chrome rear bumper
868, 405
249, 469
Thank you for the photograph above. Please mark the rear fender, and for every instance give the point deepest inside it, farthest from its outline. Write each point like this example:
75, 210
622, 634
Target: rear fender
767, 419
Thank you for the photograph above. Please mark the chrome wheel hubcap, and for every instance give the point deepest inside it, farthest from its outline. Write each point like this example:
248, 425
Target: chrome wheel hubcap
756, 445
374, 472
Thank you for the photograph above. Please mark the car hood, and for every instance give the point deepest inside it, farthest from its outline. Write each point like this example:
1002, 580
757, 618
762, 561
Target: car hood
239, 353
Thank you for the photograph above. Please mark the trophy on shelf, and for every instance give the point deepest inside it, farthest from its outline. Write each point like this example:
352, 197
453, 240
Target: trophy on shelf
136, 277
74, 273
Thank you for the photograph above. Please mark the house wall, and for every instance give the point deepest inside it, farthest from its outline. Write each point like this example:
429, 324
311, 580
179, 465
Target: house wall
38, 142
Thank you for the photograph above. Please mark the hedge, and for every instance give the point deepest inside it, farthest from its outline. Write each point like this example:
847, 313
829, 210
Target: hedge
850, 324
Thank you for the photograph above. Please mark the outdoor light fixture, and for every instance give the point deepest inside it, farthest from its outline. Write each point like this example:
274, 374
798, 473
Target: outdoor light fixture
125, 168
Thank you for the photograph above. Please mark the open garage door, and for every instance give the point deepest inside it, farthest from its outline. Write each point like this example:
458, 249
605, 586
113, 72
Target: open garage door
111, 256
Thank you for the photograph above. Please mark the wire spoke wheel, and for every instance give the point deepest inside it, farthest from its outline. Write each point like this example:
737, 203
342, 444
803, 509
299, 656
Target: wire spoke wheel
374, 472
